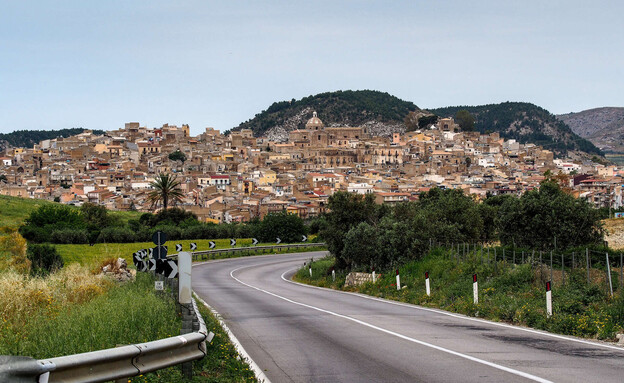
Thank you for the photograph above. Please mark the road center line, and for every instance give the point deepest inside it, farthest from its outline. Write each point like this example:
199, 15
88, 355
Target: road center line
401, 336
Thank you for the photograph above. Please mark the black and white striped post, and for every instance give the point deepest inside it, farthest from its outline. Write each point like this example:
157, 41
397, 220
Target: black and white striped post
475, 289
548, 300
427, 288
398, 280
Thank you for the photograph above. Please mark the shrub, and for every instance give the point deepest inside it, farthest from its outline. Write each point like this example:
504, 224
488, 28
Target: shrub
44, 259
69, 236
116, 235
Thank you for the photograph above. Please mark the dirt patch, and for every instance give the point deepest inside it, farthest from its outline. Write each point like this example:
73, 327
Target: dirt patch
614, 232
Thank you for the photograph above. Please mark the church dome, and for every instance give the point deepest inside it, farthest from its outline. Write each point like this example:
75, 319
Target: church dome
314, 122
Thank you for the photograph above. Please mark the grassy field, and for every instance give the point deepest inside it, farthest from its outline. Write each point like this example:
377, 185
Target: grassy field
508, 293
15, 210
74, 311
91, 256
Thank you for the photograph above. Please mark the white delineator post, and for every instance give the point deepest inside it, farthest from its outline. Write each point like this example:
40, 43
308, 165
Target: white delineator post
310, 268
475, 289
184, 276
333, 275
548, 300
427, 288
374, 277
398, 280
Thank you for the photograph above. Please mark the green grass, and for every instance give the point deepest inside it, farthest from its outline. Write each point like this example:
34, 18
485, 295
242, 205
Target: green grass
129, 313
507, 293
93, 255
15, 210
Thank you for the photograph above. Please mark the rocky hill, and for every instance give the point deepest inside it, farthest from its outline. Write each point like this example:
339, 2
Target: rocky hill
381, 112
526, 123
604, 127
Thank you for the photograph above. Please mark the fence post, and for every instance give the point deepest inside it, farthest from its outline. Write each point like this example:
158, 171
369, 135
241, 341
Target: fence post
522, 256
609, 274
621, 272
495, 264
562, 271
514, 256
587, 260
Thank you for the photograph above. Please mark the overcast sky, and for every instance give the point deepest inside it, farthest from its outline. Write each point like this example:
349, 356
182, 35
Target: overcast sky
99, 64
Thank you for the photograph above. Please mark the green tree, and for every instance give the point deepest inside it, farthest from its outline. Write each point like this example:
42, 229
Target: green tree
166, 189
347, 210
177, 156
287, 227
3, 178
360, 246
539, 216
465, 120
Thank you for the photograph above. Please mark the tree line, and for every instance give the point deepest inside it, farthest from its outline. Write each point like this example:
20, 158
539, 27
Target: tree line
362, 234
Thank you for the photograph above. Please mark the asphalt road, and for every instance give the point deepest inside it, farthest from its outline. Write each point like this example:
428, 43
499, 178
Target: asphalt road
306, 334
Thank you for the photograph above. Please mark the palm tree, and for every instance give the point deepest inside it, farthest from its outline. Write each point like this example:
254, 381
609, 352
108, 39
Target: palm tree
166, 188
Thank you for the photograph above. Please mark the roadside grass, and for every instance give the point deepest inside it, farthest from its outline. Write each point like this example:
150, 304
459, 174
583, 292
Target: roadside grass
507, 293
74, 311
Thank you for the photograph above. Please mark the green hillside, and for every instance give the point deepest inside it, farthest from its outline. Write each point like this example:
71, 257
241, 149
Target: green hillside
525, 122
28, 138
342, 107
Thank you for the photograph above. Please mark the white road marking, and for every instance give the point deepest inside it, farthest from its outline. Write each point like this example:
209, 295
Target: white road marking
401, 336
260, 375
459, 316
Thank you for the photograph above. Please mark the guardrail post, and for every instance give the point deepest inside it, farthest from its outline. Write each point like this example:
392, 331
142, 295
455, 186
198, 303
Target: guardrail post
185, 298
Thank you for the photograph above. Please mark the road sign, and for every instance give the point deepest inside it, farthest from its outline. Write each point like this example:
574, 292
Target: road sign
278, 241
144, 265
150, 252
160, 252
178, 247
159, 238
212, 244
159, 285
137, 258
160, 266
304, 238
193, 246
171, 269
254, 241
152, 265
232, 242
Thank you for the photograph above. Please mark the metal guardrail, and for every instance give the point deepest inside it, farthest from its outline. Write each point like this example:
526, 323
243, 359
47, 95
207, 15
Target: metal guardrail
205, 254
110, 364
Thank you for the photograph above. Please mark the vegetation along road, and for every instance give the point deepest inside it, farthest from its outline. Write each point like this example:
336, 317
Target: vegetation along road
302, 333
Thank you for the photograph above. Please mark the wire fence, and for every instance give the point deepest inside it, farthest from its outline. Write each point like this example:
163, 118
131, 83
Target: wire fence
601, 265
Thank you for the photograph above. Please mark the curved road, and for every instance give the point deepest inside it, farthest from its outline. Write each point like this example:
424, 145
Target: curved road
306, 334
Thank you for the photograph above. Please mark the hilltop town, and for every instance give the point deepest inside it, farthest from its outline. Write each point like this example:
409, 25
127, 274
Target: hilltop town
237, 177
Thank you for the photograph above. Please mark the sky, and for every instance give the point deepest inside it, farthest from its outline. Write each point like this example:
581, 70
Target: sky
100, 64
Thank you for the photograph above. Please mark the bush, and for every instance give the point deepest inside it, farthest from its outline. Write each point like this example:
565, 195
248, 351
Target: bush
44, 259
117, 235
69, 236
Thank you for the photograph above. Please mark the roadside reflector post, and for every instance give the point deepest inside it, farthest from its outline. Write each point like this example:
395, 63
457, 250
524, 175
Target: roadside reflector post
427, 287
310, 268
475, 289
548, 300
333, 275
398, 280
374, 276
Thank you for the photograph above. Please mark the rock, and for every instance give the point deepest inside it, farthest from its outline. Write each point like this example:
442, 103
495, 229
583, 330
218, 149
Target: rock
356, 279
121, 264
